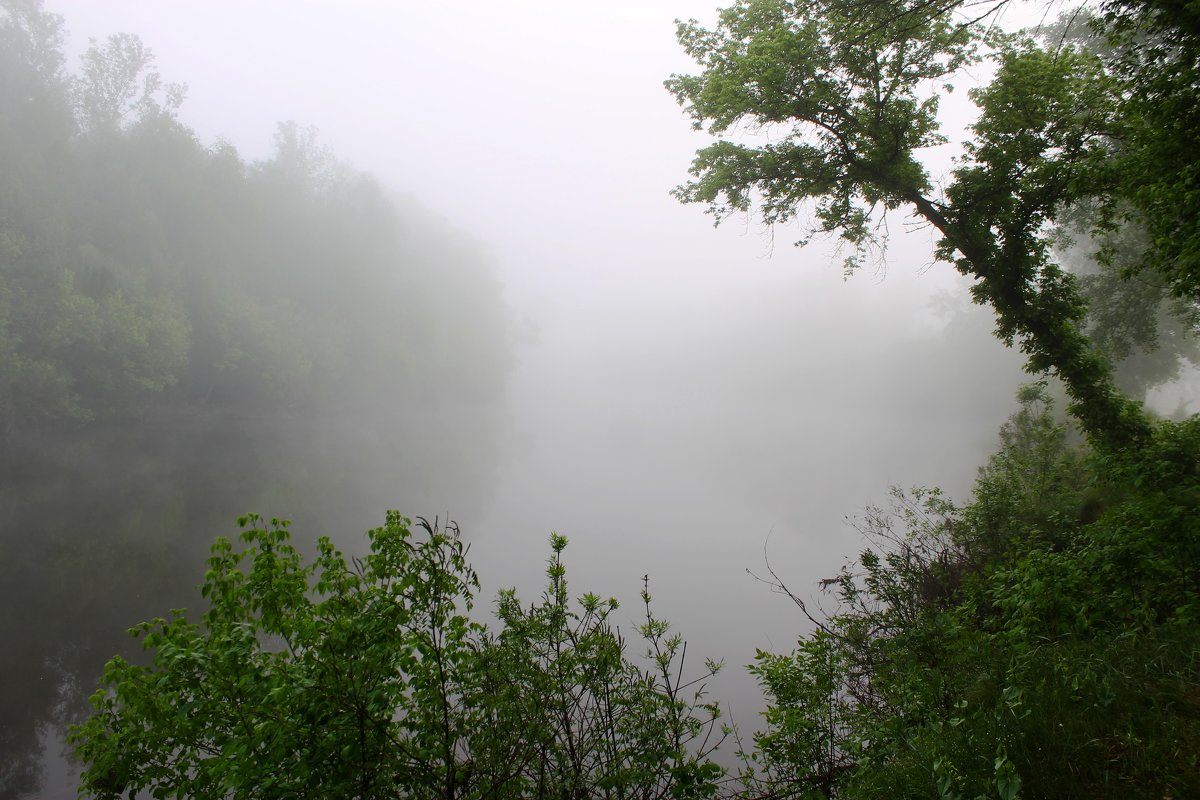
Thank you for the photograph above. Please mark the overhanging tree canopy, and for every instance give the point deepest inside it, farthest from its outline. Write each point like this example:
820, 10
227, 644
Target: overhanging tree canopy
849, 92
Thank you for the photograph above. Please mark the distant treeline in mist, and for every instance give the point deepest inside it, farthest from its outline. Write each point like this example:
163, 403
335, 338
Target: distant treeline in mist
185, 336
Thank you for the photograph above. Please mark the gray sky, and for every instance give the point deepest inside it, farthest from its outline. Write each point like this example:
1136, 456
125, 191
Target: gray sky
684, 396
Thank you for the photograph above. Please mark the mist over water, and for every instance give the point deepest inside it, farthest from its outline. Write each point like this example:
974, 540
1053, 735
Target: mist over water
698, 439
678, 401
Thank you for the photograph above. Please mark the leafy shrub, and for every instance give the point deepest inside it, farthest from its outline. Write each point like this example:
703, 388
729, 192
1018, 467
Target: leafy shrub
369, 678
1038, 642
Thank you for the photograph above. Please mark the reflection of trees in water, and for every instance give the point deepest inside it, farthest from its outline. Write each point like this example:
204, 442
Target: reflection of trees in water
84, 549
109, 527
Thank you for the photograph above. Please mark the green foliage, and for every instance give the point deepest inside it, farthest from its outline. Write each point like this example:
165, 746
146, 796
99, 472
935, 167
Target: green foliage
843, 96
1154, 50
118, 86
1132, 318
841, 89
79, 349
1037, 642
141, 270
369, 678
591, 721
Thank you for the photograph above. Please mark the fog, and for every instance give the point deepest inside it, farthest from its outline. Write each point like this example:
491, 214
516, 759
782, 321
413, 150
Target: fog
679, 400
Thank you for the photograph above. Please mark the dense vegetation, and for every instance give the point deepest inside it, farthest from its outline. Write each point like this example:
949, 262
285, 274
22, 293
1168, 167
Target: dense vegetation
370, 679
185, 335
1038, 641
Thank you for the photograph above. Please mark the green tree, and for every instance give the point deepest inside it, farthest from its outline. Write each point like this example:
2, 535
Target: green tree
368, 678
848, 91
1139, 313
1148, 334
1155, 54
118, 86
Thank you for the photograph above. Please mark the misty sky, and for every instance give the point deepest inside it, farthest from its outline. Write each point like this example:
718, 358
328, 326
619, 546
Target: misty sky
683, 396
